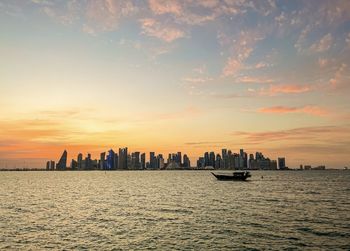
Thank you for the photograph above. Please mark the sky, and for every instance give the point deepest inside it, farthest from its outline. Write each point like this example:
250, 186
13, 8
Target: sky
166, 76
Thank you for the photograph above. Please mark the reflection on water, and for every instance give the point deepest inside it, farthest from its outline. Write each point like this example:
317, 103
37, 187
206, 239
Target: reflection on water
174, 210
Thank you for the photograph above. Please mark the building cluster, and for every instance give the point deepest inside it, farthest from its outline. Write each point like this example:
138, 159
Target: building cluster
122, 160
309, 167
239, 161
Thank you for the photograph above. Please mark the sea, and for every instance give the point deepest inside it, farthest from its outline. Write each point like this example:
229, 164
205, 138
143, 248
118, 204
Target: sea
174, 210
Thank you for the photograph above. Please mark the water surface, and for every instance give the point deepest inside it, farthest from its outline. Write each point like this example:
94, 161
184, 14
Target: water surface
170, 210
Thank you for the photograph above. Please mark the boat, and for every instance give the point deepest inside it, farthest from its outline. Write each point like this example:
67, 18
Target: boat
237, 176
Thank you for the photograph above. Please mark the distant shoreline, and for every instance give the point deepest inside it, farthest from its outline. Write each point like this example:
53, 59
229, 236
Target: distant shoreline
216, 170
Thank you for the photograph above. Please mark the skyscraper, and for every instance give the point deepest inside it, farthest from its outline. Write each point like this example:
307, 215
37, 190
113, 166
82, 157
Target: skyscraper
186, 163
212, 159
102, 160
123, 158
62, 163
135, 160
152, 160
282, 163
88, 162
160, 162
206, 159
224, 158
110, 160
179, 158
73, 164
80, 160
143, 160
52, 165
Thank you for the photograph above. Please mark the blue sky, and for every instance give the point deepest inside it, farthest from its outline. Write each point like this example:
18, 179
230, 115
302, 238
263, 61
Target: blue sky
158, 75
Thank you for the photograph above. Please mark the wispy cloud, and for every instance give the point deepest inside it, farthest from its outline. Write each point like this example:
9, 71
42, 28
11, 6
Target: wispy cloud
302, 133
239, 50
204, 143
232, 66
197, 80
168, 33
165, 6
323, 45
341, 78
254, 80
286, 89
311, 110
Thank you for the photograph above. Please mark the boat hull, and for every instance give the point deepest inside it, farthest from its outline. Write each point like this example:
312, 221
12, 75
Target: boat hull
231, 177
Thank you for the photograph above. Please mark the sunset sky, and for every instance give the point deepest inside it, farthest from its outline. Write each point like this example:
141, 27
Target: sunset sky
168, 76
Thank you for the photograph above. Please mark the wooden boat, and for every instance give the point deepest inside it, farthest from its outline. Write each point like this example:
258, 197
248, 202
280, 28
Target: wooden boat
236, 176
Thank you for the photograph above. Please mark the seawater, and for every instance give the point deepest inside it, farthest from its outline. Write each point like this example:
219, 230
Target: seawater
174, 210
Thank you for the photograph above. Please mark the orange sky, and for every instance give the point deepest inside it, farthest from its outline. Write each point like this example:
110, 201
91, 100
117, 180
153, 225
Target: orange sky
168, 76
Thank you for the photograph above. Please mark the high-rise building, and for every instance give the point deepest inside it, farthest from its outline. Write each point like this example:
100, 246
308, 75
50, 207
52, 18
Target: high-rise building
152, 160
143, 160
169, 158
73, 164
62, 163
212, 159
218, 162
201, 163
110, 160
179, 158
80, 160
102, 160
116, 161
52, 165
187, 163
282, 163
206, 159
160, 162
273, 165
88, 162
224, 158
135, 160
123, 158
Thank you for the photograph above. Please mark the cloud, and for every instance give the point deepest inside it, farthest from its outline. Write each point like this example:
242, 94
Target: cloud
230, 95
322, 62
104, 15
299, 44
261, 65
42, 2
93, 16
204, 143
232, 66
347, 39
287, 89
154, 28
254, 80
198, 80
165, 6
239, 49
310, 110
323, 45
200, 69
341, 78
281, 19
326, 133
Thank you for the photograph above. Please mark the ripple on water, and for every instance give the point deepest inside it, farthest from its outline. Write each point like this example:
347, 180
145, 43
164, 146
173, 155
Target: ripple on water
173, 211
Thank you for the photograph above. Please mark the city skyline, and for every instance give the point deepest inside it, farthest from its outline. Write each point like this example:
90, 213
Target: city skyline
266, 76
126, 160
